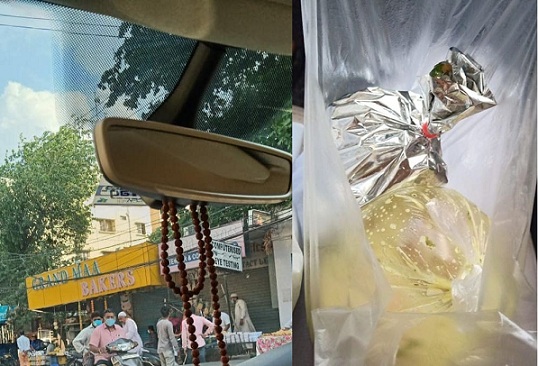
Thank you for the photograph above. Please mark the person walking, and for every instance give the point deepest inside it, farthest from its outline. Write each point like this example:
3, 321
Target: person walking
103, 335
242, 322
167, 346
199, 322
23, 345
82, 340
131, 331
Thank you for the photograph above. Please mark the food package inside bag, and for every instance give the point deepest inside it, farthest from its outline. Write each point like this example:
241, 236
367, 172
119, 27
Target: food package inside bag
490, 160
430, 242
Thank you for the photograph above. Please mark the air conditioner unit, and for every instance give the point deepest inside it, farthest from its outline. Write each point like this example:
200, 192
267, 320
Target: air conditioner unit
258, 218
188, 230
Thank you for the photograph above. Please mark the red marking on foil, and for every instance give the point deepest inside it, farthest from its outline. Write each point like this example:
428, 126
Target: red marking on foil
427, 132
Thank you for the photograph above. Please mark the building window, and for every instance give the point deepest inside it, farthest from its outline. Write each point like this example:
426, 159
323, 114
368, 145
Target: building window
106, 225
140, 228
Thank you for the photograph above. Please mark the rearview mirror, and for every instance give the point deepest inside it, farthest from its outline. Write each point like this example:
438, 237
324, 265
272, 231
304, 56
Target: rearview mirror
157, 160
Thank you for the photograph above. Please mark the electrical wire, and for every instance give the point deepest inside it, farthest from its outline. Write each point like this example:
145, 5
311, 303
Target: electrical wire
58, 20
62, 31
231, 236
156, 221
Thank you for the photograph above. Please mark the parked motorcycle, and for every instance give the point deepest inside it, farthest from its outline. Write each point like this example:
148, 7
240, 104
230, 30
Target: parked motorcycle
8, 360
120, 348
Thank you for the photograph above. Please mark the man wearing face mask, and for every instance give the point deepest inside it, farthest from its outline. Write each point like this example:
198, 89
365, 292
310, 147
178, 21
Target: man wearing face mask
103, 335
82, 340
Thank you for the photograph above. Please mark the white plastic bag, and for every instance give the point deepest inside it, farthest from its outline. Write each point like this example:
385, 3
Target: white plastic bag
491, 160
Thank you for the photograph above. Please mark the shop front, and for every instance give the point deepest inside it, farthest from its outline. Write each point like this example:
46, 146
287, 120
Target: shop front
255, 263
108, 281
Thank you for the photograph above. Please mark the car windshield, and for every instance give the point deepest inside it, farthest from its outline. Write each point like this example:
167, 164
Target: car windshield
68, 66
71, 242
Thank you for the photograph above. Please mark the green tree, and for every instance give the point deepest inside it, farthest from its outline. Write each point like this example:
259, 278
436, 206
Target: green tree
146, 64
250, 98
43, 218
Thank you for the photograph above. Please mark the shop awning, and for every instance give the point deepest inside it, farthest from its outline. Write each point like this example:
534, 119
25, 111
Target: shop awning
124, 270
4, 313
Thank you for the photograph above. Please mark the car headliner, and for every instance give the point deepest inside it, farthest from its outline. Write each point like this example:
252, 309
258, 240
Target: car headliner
262, 25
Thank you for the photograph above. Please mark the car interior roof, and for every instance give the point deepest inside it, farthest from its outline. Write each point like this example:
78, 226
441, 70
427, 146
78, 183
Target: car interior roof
261, 25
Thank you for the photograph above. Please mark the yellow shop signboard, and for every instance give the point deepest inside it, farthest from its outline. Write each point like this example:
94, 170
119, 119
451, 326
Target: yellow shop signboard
124, 270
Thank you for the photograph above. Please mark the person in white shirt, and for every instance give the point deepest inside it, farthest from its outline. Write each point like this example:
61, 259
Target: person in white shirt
131, 331
226, 322
23, 344
82, 340
242, 321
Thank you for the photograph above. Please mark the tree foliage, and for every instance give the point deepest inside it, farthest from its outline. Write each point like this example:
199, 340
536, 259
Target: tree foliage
43, 218
250, 99
145, 65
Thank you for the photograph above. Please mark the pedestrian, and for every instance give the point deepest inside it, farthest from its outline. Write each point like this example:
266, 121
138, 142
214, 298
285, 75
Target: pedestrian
23, 345
82, 340
226, 323
167, 346
103, 335
242, 322
35, 343
56, 346
153, 339
176, 323
131, 331
199, 322
206, 313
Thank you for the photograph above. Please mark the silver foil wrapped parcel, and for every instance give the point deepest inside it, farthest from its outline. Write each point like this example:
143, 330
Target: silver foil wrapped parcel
386, 136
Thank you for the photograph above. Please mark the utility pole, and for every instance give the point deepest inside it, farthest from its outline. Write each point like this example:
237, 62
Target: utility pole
129, 223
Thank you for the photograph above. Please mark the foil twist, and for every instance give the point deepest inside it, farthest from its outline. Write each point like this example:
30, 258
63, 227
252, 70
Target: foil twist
385, 136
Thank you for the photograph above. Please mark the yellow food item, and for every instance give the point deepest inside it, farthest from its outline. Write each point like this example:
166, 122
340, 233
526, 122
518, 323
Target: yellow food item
280, 332
430, 242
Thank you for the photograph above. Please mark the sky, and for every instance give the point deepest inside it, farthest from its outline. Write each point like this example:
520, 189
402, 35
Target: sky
40, 47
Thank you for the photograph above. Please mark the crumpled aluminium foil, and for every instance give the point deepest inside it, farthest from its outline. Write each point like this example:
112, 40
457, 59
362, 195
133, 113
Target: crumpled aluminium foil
385, 136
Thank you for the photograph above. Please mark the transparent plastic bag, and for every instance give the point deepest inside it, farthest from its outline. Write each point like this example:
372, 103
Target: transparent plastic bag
491, 159
465, 339
430, 242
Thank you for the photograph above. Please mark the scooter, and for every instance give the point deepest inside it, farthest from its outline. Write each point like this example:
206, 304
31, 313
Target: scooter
121, 347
